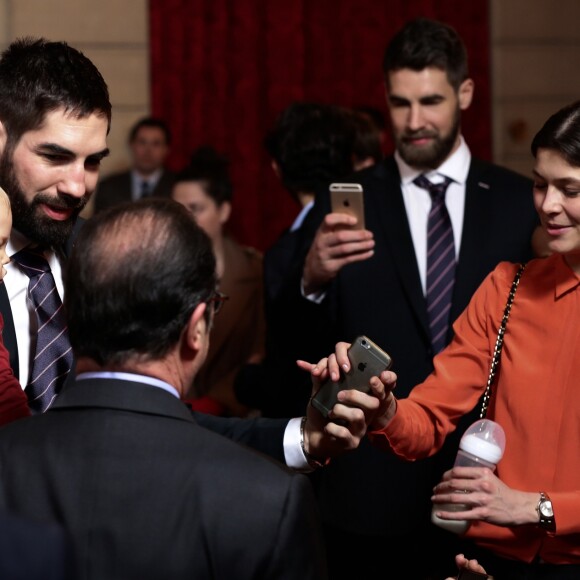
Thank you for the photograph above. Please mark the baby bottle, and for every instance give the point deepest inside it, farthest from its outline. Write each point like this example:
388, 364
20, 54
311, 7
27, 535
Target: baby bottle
482, 445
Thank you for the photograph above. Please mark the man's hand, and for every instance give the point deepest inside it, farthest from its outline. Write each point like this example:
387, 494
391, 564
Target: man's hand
324, 438
335, 245
463, 563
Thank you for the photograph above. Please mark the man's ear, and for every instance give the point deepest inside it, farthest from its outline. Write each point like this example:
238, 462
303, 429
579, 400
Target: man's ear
197, 330
465, 93
225, 210
276, 169
3, 138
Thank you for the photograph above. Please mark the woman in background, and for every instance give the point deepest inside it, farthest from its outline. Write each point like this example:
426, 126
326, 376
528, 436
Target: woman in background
237, 336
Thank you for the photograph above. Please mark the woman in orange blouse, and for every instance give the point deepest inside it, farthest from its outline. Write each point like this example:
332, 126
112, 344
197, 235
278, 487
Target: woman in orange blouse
536, 395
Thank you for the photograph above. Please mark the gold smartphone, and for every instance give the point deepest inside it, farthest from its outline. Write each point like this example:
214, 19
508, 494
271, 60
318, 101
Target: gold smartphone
366, 360
348, 198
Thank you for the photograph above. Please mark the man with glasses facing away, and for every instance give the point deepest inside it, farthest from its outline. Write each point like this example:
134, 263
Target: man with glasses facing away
144, 490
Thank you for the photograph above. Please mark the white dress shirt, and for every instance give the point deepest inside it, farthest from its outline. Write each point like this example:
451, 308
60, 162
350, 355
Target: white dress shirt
25, 323
137, 182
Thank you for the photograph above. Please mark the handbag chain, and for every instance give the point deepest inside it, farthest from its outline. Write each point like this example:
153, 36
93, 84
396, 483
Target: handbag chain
499, 342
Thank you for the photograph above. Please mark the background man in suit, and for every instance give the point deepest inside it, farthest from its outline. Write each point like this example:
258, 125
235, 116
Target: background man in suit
149, 142
310, 145
144, 491
374, 281
54, 118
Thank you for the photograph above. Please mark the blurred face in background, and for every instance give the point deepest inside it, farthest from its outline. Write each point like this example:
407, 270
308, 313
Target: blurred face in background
210, 216
149, 150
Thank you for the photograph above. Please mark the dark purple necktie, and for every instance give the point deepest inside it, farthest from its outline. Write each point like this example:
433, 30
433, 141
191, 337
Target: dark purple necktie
440, 261
53, 358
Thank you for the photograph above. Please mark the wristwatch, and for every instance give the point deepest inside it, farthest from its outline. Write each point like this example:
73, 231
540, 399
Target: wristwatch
546, 513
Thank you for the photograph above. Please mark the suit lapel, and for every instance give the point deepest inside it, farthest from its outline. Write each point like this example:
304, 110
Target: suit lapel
475, 230
395, 227
9, 332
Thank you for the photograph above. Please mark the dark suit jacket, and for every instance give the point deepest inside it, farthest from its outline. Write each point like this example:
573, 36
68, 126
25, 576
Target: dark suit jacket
115, 189
34, 551
369, 491
288, 331
147, 493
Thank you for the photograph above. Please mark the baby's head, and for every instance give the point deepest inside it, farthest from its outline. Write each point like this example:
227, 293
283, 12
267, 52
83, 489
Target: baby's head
5, 227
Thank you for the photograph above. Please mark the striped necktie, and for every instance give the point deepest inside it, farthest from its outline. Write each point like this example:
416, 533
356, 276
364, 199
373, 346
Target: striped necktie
53, 358
440, 262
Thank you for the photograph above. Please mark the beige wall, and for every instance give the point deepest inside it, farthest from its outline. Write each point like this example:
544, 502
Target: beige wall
535, 64
535, 58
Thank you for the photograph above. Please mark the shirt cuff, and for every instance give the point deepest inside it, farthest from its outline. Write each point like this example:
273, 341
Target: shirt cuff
316, 297
293, 453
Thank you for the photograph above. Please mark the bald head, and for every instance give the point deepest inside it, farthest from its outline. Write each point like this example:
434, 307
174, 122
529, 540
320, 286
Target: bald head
135, 276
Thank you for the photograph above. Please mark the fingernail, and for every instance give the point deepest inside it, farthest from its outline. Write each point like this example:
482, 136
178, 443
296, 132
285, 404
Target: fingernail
345, 367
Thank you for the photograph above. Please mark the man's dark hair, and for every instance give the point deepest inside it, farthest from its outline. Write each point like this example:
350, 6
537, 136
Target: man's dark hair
38, 77
561, 133
151, 122
424, 43
135, 276
312, 144
375, 115
367, 141
211, 170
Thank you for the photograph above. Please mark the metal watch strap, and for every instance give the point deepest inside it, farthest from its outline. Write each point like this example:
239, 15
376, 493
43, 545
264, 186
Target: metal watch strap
546, 521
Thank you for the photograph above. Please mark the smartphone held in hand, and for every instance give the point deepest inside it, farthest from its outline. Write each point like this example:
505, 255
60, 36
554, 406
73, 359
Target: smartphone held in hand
367, 360
347, 198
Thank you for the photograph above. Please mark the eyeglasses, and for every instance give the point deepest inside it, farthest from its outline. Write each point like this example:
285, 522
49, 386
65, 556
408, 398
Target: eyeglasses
217, 301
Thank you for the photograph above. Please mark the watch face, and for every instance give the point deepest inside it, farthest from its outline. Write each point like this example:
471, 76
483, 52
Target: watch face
546, 509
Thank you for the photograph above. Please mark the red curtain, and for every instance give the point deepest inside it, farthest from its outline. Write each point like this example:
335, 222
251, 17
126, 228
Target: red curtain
221, 70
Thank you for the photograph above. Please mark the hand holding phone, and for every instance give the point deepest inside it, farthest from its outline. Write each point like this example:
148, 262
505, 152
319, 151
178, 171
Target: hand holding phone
367, 360
347, 198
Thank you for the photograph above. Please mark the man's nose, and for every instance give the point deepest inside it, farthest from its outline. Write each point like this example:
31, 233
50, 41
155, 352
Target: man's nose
415, 120
74, 182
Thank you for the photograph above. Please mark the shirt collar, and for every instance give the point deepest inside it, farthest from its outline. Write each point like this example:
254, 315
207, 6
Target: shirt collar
133, 377
565, 278
456, 166
151, 179
16, 242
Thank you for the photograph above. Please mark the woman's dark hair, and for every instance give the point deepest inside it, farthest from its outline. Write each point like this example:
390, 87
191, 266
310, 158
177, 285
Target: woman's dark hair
561, 132
211, 170
135, 276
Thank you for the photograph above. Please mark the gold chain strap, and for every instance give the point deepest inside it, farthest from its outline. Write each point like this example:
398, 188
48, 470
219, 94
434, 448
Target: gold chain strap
499, 342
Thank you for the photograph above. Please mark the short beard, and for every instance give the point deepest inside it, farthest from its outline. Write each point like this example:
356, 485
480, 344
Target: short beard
428, 157
31, 221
